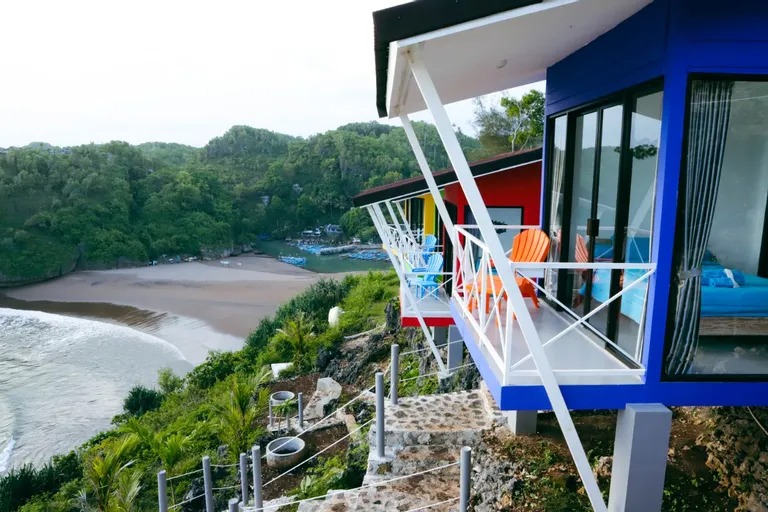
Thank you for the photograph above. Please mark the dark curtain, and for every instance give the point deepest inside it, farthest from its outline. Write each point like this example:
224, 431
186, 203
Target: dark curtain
710, 111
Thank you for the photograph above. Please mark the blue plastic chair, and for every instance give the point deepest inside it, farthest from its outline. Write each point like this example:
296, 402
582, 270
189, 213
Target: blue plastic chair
428, 247
427, 280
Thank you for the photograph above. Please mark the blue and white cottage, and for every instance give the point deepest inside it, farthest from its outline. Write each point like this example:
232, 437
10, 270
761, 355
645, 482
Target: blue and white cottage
654, 289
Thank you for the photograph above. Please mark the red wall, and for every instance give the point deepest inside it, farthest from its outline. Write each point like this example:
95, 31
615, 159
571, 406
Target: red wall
517, 187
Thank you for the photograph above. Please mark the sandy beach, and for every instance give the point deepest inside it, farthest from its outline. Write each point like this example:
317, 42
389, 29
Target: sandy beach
197, 306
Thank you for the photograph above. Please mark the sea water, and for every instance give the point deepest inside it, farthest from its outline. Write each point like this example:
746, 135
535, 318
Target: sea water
62, 379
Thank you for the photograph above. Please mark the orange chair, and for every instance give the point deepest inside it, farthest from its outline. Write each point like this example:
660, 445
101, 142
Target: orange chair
529, 246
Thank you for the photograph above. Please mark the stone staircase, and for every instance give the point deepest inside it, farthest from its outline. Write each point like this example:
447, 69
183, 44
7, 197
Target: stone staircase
422, 433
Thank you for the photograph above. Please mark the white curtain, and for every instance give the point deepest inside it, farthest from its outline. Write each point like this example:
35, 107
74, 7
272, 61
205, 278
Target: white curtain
710, 111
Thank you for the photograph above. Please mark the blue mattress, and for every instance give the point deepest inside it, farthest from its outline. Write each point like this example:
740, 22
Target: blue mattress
749, 300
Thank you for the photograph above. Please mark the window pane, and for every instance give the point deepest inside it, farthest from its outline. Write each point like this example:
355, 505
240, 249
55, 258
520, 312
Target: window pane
556, 207
601, 245
644, 145
581, 208
723, 329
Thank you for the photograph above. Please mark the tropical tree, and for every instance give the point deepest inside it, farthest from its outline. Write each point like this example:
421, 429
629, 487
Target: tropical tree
527, 116
105, 485
238, 411
515, 124
298, 333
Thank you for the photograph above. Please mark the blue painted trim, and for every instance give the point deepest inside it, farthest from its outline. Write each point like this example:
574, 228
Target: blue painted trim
494, 386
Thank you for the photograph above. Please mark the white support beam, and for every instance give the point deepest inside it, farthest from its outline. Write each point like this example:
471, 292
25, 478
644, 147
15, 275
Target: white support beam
505, 272
427, 172
404, 217
377, 215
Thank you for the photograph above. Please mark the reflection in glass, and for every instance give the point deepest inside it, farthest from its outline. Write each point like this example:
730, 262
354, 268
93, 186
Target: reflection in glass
581, 207
556, 205
644, 143
723, 224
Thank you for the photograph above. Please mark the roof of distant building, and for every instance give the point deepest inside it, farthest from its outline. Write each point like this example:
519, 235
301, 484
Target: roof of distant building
418, 184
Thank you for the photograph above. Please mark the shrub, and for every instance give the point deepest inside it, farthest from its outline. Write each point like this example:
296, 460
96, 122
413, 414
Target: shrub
314, 302
22, 484
168, 381
217, 366
141, 400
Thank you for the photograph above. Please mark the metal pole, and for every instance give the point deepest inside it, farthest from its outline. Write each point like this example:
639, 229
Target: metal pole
301, 410
466, 477
244, 477
208, 484
256, 455
162, 493
394, 375
271, 415
380, 415
233, 504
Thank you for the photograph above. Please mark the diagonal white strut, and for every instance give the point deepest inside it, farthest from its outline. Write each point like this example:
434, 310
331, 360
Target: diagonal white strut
377, 216
431, 183
505, 272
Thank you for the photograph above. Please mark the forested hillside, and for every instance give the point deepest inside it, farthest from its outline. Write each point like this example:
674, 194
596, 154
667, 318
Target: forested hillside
93, 206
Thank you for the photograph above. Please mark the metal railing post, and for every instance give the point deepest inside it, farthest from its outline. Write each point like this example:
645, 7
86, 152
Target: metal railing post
162, 492
301, 410
380, 415
244, 478
256, 455
394, 372
233, 504
466, 476
208, 484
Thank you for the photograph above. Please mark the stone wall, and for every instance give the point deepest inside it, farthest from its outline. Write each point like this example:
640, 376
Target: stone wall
737, 448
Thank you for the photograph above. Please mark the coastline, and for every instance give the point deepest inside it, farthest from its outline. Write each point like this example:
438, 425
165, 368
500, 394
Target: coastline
196, 306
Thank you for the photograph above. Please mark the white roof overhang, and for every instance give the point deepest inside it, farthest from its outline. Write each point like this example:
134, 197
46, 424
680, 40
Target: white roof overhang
501, 51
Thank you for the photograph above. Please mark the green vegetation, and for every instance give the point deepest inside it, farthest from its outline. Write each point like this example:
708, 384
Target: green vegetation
518, 124
221, 402
97, 206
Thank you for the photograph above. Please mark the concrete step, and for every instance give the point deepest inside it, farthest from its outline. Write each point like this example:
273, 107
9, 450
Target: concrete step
447, 419
402, 495
412, 459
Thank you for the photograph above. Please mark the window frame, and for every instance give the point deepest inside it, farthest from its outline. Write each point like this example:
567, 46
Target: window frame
678, 239
627, 99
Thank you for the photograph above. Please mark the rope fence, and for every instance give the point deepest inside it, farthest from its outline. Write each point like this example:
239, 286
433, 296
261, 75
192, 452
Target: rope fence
171, 478
425, 507
321, 451
393, 368
190, 500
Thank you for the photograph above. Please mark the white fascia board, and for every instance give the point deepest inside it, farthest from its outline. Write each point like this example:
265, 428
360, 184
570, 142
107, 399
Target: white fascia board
483, 22
399, 74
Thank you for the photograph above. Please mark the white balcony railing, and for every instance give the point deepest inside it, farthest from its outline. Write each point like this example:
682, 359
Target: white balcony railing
429, 299
577, 349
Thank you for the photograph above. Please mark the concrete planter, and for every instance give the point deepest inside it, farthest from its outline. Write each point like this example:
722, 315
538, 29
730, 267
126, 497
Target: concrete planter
280, 397
284, 452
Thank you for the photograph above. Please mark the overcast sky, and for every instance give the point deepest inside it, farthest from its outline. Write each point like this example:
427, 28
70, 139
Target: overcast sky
81, 71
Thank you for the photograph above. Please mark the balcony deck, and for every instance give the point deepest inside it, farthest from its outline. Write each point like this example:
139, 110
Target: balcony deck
579, 357
434, 308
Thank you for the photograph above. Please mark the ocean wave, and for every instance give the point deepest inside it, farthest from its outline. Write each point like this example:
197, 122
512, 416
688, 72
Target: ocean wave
69, 330
5, 455
62, 379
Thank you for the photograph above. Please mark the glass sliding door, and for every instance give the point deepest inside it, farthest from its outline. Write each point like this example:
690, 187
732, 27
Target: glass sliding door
644, 143
602, 220
583, 179
557, 169
601, 190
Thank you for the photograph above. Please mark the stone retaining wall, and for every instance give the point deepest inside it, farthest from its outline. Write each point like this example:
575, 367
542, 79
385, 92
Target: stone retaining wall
737, 449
